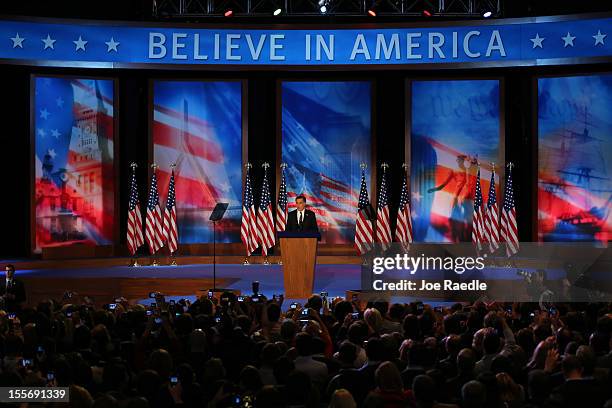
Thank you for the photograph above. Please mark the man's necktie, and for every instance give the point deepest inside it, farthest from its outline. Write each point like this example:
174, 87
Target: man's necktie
301, 219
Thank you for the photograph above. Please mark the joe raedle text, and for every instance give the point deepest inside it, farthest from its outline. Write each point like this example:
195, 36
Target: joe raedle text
425, 285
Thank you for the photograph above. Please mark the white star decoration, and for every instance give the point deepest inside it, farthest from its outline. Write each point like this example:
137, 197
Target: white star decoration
416, 196
599, 38
48, 42
44, 114
568, 40
41, 132
17, 41
55, 133
80, 44
52, 153
537, 41
112, 45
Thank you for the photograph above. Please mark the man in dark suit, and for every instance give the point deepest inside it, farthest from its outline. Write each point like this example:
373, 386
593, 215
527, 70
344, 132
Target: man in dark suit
301, 219
12, 290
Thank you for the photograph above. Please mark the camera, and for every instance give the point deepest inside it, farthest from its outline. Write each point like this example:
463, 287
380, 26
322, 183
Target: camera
174, 380
305, 311
26, 362
210, 294
11, 316
218, 319
112, 306
255, 299
149, 313
294, 305
355, 315
241, 298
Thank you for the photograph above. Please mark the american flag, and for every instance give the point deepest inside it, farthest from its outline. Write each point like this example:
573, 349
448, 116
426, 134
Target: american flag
135, 238
281, 208
403, 230
364, 237
509, 230
265, 220
478, 229
248, 228
491, 216
383, 222
170, 229
155, 229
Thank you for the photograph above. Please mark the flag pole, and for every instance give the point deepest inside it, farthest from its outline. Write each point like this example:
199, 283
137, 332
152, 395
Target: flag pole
246, 258
265, 166
364, 260
134, 261
155, 262
172, 256
283, 166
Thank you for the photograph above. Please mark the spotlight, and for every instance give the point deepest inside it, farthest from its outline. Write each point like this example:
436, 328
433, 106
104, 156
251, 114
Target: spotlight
427, 13
323, 6
228, 13
487, 14
277, 11
373, 7
372, 12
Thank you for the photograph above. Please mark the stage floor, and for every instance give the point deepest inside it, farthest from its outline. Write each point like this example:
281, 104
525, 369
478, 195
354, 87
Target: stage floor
107, 282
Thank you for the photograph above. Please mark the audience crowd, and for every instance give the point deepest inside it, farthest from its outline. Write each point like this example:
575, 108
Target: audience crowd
235, 351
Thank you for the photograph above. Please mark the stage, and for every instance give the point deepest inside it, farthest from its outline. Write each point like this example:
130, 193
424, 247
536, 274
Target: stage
104, 279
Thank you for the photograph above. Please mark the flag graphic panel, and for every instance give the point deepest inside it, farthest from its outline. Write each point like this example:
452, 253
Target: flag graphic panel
198, 126
455, 125
326, 135
574, 162
74, 161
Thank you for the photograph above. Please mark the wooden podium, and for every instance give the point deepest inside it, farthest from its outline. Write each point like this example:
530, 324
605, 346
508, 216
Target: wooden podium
299, 255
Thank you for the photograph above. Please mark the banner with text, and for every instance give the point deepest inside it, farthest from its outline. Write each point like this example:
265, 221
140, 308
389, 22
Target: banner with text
538, 41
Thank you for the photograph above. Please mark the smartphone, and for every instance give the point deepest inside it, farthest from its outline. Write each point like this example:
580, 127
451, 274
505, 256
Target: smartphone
218, 319
112, 306
68, 314
40, 349
306, 311
158, 320
294, 305
255, 299
324, 294
552, 311
174, 380
26, 362
152, 294
11, 316
210, 294
50, 376
532, 314
241, 298
149, 313
355, 315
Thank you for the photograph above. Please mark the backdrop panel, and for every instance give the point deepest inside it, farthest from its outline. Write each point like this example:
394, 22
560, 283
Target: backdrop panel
198, 126
74, 185
326, 134
454, 125
575, 167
